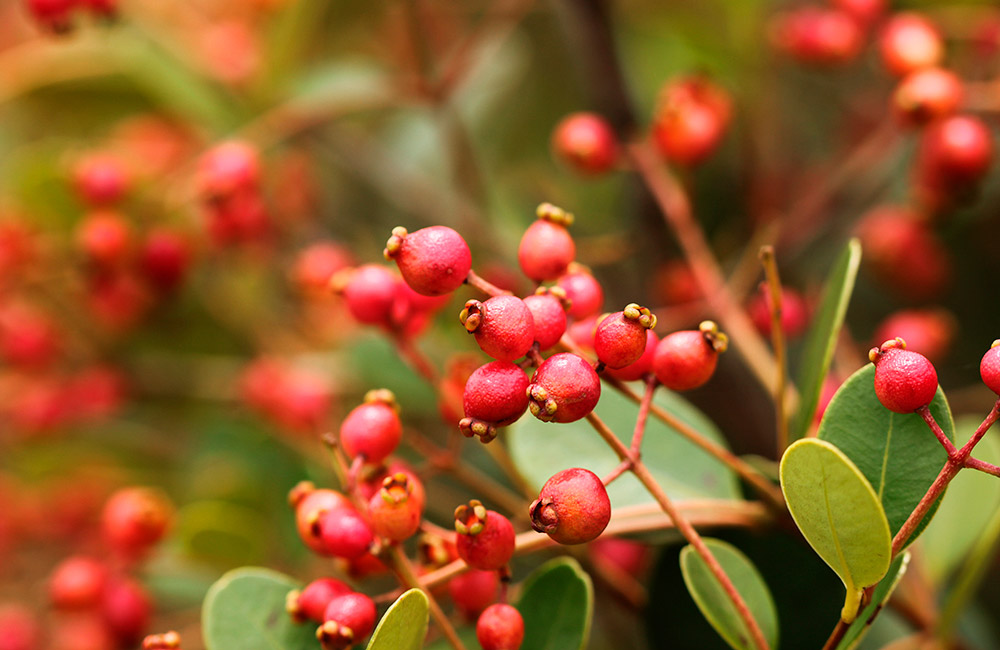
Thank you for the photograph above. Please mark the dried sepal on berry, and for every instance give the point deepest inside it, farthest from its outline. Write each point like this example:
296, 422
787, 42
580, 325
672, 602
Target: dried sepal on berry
620, 339
395, 514
503, 326
572, 507
485, 538
494, 397
685, 360
546, 248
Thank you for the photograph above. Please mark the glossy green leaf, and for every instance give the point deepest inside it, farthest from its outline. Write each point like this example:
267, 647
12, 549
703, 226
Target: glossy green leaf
557, 605
245, 609
823, 334
897, 452
863, 623
716, 606
404, 624
838, 513
541, 449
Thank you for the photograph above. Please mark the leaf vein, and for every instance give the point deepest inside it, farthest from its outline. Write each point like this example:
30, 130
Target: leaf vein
846, 575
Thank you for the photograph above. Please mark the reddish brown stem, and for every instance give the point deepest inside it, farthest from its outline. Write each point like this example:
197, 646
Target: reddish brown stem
777, 343
490, 289
404, 571
643, 416
982, 466
949, 447
415, 359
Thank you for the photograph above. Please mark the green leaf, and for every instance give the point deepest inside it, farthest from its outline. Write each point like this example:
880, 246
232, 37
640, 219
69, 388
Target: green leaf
823, 335
245, 609
541, 449
838, 513
557, 605
716, 606
896, 452
859, 628
404, 624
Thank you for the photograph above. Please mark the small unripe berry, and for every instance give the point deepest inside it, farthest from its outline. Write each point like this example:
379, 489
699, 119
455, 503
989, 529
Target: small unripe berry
503, 326
685, 360
583, 291
904, 381
620, 339
485, 537
586, 142
311, 602
136, 518
348, 619
572, 507
345, 533
369, 291
909, 42
564, 388
641, 366
395, 514
126, 608
691, 119
500, 627
927, 94
310, 504
989, 367
372, 429
474, 591
78, 583
546, 247
495, 396
548, 311
433, 261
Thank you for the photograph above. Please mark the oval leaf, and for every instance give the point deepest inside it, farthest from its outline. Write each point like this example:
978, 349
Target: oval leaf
404, 624
246, 609
823, 335
716, 606
541, 449
838, 513
557, 605
896, 452
859, 628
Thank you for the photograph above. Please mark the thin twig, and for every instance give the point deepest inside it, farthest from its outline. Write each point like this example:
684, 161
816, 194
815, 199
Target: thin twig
404, 570
477, 281
766, 255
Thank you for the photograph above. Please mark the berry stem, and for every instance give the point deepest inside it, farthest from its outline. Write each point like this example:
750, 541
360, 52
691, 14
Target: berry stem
949, 446
767, 260
640, 420
404, 571
982, 466
414, 358
343, 470
490, 289
684, 527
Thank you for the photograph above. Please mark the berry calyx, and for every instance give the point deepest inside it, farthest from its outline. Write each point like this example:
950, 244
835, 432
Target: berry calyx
989, 367
500, 627
345, 533
620, 338
564, 388
373, 429
548, 307
546, 247
572, 508
433, 261
503, 326
685, 360
904, 380
395, 514
495, 396
348, 619
311, 602
586, 142
485, 537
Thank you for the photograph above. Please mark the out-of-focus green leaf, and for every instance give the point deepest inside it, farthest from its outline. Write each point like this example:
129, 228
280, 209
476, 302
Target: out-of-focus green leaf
557, 604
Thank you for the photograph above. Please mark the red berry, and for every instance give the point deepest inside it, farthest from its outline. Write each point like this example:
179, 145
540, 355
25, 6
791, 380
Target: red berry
19, 628
135, 518
503, 326
909, 42
433, 261
100, 179
686, 359
904, 253
564, 388
126, 608
548, 311
675, 283
310, 504
620, 339
78, 583
316, 265
373, 429
229, 168
904, 381
572, 507
345, 533
164, 259
82, 631
311, 602
474, 591
989, 367
494, 397
582, 332
865, 12
369, 291
794, 311
927, 94
927, 331
954, 153
546, 247
584, 292
395, 513
485, 537
641, 367
28, 337
105, 238
691, 119
818, 36
500, 627
52, 14
586, 142
626, 555
348, 619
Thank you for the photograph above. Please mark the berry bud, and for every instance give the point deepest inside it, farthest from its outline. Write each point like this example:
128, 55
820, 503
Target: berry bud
373, 429
485, 537
495, 396
686, 360
433, 261
546, 247
572, 507
620, 338
904, 381
564, 388
586, 142
500, 627
503, 326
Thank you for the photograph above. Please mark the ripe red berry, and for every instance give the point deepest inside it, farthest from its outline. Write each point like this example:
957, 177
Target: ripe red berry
311, 602
164, 259
642, 366
909, 42
372, 429
348, 620
927, 331
135, 518
316, 265
494, 397
503, 326
546, 247
433, 261
53, 15
548, 311
564, 388
989, 367
395, 513
865, 12
100, 179
691, 119
954, 153
583, 291
794, 311
19, 628
572, 507
500, 627
817, 36
904, 381
626, 555
105, 238
229, 168
586, 142
485, 537
78, 583
620, 339
474, 591
345, 533
904, 253
310, 504
686, 359
927, 94
126, 608
369, 291
28, 337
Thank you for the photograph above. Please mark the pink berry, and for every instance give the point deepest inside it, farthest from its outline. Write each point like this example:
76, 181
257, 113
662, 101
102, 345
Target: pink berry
564, 388
345, 533
500, 627
126, 608
586, 142
433, 261
794, 312
572, 507
548, 311
369, 291
817, 36
105, 238
474, 591
395, 513
904, 253
316, 265
494, 397
927, 331
373, 429
620, 339
989, 367
503, 326
546, 247
485, 537
164, 259
955, 153
927, 94
904, 381
78, 582
229, 168
909, 42
685, 360
642, 366
19, 628
583, 291
691, 119
135, 518
348, 619
310, 504
311, 602
100, 179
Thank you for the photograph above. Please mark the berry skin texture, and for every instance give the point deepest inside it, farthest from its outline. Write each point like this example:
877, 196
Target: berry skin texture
135, 518
474, 591
345, 533
348, 619
485, 538
369, 291
572, 507
395, 513
310, 603
586, 142
989, 367
548, 311
500, 627
620, 338
495, 396
640, 367
564, 388
909, 42
310, 504
373, 429
583, 291
433, 261
904, 381
685, 360
503, 326
546, 247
